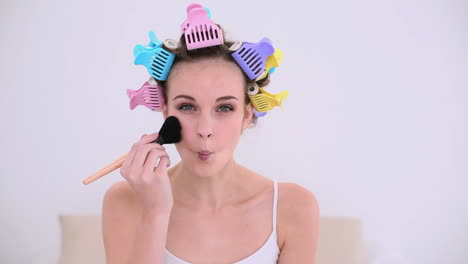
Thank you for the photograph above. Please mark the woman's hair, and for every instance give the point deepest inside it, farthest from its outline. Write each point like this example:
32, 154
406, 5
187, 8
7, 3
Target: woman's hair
218, 51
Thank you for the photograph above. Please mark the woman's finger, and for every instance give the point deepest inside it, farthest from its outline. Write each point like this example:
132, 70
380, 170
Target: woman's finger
130, 156
133, 150
152, 159
164, 163
148, 138
142, 154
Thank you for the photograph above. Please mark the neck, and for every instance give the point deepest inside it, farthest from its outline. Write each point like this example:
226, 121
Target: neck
206, 192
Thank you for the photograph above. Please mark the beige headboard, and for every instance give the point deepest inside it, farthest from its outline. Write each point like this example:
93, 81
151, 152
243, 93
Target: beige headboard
340, 240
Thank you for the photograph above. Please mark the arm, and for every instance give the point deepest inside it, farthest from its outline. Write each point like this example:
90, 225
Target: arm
131, 235
301, 214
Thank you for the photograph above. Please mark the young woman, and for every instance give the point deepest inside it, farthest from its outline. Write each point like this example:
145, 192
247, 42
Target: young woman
207, 208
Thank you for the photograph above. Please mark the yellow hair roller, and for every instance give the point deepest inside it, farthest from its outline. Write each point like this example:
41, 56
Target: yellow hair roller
272, 61
264, 101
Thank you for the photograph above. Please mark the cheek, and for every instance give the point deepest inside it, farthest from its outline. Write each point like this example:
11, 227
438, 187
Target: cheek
229, 132
188, 127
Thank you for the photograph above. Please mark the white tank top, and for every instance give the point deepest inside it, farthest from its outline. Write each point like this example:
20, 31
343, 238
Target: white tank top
267, 254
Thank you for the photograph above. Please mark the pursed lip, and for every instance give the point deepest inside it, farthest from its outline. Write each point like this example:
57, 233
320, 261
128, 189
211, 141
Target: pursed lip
205, 152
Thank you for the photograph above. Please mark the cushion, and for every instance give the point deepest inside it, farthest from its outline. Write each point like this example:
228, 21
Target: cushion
340, 241
81, 240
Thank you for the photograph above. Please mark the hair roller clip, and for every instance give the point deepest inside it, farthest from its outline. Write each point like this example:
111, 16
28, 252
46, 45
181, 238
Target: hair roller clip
154, 41
265, 101
251, 57
271, 63
170, 44
208, 12
149, 95
235, 46
253, 90
200, 31
152, 81
157, 60
185, 25
258, 114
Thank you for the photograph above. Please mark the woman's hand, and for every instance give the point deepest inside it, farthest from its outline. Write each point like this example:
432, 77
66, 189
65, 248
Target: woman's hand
150, 182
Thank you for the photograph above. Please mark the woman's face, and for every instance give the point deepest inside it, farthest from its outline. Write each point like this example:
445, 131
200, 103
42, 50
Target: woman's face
207, 96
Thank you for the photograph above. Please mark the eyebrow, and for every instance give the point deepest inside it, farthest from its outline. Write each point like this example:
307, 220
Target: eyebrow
223, 98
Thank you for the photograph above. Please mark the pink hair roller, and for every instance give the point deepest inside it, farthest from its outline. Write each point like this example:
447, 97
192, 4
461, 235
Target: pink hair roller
185, 25
149, 95
201, 32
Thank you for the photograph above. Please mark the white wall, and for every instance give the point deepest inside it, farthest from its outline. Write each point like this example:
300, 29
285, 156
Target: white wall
375, 124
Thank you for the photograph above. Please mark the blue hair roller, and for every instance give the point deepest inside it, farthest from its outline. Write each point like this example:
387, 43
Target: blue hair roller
157, 60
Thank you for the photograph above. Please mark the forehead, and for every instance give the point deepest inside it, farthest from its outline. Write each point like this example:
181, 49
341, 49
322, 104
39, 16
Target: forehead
210, 77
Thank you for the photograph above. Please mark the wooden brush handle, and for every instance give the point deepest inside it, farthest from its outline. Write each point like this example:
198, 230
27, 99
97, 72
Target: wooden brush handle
109, 168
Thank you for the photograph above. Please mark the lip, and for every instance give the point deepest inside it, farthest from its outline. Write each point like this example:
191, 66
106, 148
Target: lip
204, 155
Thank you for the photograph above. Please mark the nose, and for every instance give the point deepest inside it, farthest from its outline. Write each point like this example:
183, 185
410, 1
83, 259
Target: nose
205, 127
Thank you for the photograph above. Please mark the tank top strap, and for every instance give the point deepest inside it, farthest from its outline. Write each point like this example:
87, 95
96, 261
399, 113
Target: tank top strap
275, 203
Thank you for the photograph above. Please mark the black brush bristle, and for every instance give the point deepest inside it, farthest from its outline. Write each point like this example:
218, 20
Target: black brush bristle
170, 132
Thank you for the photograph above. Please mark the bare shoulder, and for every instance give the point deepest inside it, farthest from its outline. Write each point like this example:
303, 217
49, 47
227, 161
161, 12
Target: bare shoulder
120, 205
298, 222
120, 213
294, 198
121, 192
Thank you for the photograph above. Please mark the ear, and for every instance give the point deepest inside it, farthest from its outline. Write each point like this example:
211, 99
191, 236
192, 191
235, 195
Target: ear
248, 113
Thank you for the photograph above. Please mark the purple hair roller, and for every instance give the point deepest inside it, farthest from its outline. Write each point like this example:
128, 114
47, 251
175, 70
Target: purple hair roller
259, 114
251, 57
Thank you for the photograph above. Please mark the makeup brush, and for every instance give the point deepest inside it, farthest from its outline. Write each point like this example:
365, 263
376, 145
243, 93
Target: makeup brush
168, 134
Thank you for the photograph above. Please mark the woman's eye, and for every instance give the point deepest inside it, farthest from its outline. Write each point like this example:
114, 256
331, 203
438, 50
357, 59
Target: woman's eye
190, 108
225, 108
186, 107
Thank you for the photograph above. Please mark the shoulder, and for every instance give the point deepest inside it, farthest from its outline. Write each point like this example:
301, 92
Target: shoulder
120, 213
298, 216
119, 191
119, 203
296, 199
